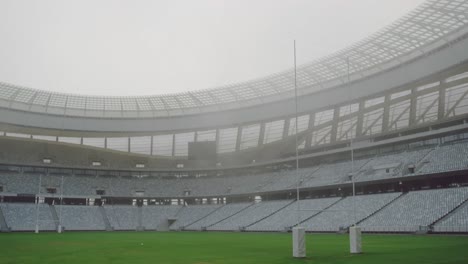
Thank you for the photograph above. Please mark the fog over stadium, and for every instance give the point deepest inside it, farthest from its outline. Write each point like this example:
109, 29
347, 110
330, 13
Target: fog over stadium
182, 131
159, 47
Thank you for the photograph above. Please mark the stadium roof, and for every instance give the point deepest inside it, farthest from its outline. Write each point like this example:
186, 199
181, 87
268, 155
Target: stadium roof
432, 25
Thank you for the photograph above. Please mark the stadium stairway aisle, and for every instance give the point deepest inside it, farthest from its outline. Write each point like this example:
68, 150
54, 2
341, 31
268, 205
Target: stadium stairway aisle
454, 210
456, 221
416, 209
3, 224
253, 223
228, 210
122, 217
205, 216
252, 215
156, 217
287, 217
326, 208
348, 211
140, 218
381, 208
423, 160
24, 216
105, 218
191, 214
54, 216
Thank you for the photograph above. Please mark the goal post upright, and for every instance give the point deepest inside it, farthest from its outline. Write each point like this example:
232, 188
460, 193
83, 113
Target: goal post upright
59, 225
355, 242
36, 230
298, 232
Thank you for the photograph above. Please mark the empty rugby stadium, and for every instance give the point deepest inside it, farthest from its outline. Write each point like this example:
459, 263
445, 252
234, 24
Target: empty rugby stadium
387, 115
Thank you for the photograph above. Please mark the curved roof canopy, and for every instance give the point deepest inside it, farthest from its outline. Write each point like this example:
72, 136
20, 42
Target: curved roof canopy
433, 24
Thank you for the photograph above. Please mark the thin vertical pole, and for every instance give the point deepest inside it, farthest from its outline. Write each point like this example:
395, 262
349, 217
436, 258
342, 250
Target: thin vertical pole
61, 204
296, 140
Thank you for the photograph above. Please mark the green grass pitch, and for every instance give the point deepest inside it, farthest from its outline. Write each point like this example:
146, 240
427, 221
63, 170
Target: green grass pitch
214, 247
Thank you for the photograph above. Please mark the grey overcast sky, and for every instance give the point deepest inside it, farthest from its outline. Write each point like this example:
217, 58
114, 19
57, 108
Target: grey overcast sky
127, 47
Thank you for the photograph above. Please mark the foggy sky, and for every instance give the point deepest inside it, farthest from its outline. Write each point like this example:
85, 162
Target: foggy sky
124, 47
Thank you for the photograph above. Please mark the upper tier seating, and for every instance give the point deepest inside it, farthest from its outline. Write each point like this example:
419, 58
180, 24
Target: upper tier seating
287, 179
446, 158
333, 173
127, 187
391, 165
19, 183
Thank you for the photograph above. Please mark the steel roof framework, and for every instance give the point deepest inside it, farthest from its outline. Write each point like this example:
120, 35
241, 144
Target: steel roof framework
429, 26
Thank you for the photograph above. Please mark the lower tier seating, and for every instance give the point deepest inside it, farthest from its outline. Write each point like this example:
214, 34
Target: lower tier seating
122, 217
442, 210
80, 217
348, 211
219, 215
416, 209
455, 222
191, 214
294, 213
23, 217
250, 215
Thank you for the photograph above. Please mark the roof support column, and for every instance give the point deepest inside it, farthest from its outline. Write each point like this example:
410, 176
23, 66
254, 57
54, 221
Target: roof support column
441, 108
128, 145
173, 145
360, 119
336, 117
413, 101
239, 138
386, 114
261, 136
217, 140
151, 146
286, 127
308, 140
